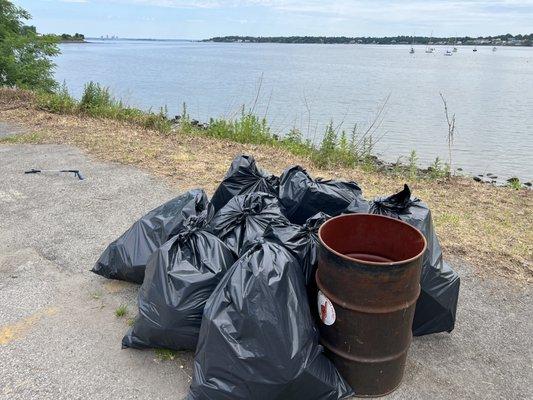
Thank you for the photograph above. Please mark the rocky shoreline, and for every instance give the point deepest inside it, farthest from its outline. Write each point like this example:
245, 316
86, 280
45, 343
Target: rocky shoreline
392, 167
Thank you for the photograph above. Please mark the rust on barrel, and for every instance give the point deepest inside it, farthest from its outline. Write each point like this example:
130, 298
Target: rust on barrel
369, 280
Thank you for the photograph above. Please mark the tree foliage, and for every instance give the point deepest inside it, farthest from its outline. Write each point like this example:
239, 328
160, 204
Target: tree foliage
25, 56
525, 40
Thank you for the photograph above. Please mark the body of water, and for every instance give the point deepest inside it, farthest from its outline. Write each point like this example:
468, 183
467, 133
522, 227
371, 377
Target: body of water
307, 86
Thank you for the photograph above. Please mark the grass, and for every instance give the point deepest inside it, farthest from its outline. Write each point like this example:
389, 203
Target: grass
337, 148
488, 227
96, 295
121, 311
97, 102
165, 354
514, 183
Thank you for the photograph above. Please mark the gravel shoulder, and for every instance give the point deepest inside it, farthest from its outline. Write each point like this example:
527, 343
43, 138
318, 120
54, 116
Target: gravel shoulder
60, 339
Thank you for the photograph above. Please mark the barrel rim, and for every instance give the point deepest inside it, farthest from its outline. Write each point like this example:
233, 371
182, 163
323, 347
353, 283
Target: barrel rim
352, 259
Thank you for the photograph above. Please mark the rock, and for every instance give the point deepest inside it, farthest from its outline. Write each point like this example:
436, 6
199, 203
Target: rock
459, 169
477, 178
528, 184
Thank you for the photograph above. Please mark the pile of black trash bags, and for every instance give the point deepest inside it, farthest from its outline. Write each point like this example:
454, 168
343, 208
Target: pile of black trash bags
233, 279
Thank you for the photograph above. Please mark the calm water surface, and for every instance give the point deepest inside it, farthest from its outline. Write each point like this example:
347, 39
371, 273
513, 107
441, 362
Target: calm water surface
306, 86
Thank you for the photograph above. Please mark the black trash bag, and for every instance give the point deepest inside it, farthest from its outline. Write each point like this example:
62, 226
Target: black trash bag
258, 340
180, 277
302, 196
243, 177
302, 241
437, 305
245, 218
126, 257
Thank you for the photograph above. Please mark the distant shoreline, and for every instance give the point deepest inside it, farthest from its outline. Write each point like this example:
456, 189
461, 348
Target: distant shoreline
501, 40
215, 40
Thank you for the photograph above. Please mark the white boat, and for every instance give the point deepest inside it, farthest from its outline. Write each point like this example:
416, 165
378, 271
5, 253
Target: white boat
494, 48
412, 51
474, 49
430, 49
455, 50
448, 53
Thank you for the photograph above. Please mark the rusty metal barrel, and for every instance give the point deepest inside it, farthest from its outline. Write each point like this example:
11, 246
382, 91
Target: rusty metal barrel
368, 281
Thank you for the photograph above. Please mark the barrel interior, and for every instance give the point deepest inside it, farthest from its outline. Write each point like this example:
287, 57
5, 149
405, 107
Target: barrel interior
372, 239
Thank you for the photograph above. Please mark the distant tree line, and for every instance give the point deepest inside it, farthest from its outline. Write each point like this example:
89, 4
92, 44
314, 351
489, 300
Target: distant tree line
524, 40
77, 37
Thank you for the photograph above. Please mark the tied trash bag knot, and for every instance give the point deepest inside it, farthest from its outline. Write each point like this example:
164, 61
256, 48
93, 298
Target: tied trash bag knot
195, 223
396, 204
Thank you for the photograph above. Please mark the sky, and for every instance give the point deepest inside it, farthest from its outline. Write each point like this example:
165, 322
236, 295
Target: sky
188, 19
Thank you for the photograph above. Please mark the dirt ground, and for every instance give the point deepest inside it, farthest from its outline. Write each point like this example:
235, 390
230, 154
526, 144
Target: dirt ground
60, 338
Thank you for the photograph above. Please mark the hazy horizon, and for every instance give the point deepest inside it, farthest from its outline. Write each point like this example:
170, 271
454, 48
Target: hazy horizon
203, 19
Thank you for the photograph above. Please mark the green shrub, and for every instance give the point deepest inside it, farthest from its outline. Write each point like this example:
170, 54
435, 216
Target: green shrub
248, 128
325, 155
438, 170
158, 122
25, 56
295, 143
96, 99
59, 101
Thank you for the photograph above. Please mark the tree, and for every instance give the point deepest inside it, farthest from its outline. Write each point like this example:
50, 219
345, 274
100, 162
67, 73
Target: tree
25, 56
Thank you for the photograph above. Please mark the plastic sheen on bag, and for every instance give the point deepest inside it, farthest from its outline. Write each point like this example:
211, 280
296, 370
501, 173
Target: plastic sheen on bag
244, 177
302, 241
437, 304
180, 277
245, 217
258, 340
126, 257
302, 196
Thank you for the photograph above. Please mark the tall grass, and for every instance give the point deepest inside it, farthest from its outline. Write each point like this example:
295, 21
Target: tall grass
336, 149
98, 102
247, 128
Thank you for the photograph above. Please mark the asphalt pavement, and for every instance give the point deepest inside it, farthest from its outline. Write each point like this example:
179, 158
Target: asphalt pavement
60, 338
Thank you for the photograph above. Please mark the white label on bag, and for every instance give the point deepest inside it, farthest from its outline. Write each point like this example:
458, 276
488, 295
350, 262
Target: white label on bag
326, 309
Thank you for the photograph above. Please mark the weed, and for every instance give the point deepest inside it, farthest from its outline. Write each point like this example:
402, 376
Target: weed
451, 130
438, 170
121, 311
397, 167
325, 155
412, 166
295, 143
59, 101
247, 128
165, 354
96, 295
514, 183
185, 121
130, 321
97, 101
